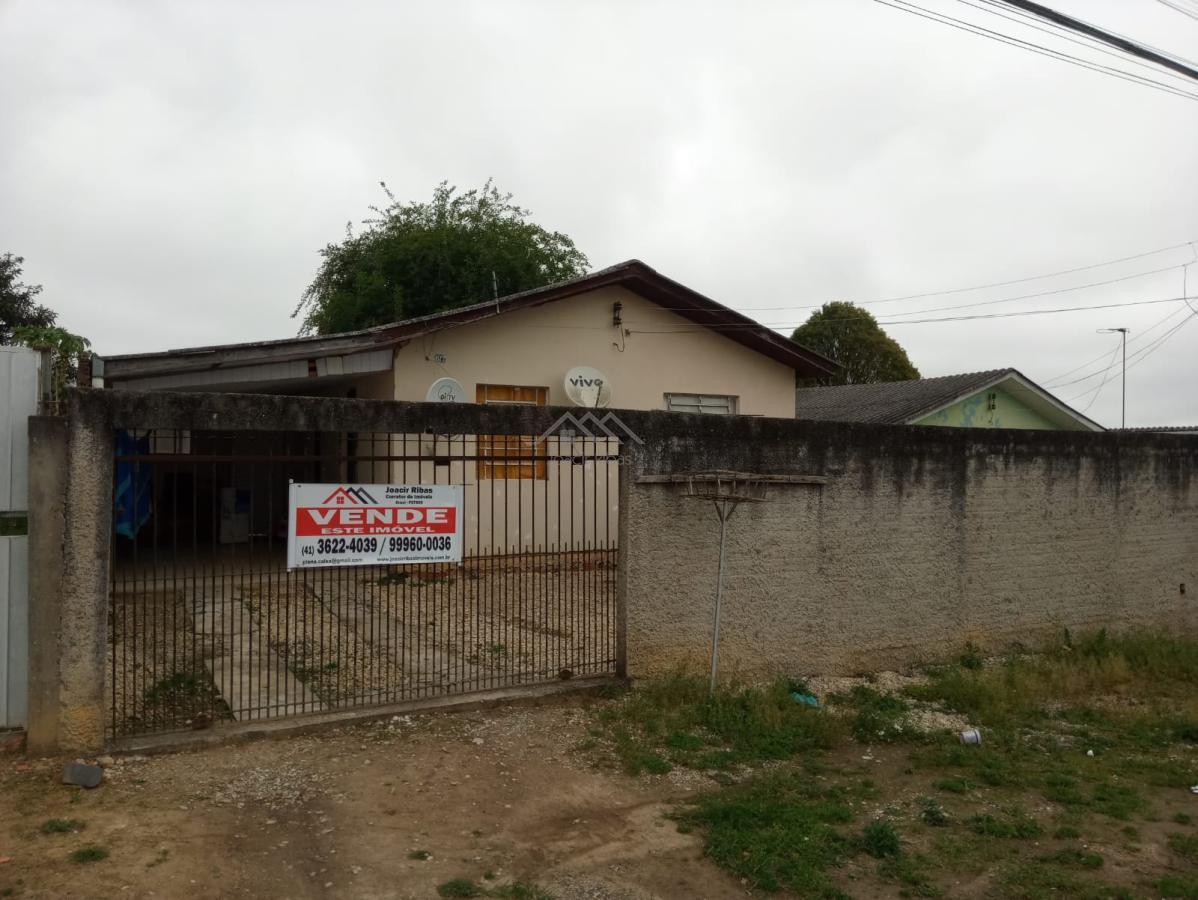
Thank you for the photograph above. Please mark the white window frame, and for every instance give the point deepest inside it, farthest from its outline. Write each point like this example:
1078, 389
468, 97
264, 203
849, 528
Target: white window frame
703, 404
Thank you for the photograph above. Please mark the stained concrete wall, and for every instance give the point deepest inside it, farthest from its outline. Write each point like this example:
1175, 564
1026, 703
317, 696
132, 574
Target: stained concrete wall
919, 540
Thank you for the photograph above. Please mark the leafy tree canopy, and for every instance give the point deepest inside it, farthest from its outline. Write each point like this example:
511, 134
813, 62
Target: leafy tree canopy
17, 306
415, 259
852, 336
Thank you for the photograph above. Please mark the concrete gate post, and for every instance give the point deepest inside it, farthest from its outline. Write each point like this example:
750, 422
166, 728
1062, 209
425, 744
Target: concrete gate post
70, 527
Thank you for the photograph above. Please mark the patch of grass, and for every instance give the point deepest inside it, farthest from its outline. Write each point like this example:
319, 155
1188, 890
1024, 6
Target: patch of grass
1074, 670
1041, 880
519, 890
674, 721
879, 717
776, 832
972, 657
635, 758
1178, 887
911, 872
1184, 845
460, 887
61, 826
420, 855
89, 854
932, 813
1183, 818
1066, 832
1016, 824
1118, 801
879, 839
953, 785
1075, 857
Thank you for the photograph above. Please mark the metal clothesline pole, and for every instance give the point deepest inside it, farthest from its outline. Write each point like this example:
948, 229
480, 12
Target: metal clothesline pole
724, 509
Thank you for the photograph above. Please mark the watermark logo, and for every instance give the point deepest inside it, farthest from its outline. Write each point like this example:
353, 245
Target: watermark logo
569, 426
344, 495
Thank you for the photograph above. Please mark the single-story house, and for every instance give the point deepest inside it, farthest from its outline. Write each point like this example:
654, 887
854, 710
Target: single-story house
999, 398
659, 345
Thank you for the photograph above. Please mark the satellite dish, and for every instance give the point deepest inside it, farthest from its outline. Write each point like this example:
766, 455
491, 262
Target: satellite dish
588, 387
446, 390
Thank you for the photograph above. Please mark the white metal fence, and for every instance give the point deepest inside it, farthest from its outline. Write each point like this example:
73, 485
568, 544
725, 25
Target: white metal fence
18, 401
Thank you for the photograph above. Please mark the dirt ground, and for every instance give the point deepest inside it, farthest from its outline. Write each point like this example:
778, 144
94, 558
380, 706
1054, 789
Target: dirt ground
501, 793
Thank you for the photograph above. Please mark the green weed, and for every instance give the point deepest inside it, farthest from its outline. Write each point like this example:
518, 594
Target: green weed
89, 854
1178, 887
879, 839
1015, 825
674, 721
459, 887
1184, 845
932, 813
777, 832
1075, 857
879, 717
61, 826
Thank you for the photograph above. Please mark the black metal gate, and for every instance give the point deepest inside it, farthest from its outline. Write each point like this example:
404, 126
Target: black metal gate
207, 624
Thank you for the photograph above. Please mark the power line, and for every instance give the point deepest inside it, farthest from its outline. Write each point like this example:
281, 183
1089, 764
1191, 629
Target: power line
978, 287
696, 329
1026, 15
993, 284
1121, 43
1065, 290
1098, 390
1144, 352
1039, 49
1184, 10
1055, 382
1029, 20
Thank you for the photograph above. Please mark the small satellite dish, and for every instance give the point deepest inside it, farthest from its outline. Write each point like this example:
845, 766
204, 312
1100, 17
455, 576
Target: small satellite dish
588, 387
446, 390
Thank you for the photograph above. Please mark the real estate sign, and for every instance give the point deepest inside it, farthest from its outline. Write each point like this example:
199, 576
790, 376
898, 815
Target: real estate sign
373, 524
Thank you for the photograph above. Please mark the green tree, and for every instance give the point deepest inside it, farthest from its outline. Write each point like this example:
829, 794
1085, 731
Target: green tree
415, 259
17, 305
852, 336
63, 349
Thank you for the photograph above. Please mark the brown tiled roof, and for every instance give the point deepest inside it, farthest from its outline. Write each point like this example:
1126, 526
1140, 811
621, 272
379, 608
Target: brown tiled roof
633, 275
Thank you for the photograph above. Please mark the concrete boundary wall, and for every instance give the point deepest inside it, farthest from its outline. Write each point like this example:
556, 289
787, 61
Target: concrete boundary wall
921, 538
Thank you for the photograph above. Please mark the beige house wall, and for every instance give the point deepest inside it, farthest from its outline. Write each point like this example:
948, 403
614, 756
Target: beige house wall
538, 345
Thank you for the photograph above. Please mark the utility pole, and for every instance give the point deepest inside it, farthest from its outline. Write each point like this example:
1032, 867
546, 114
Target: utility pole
1122, 331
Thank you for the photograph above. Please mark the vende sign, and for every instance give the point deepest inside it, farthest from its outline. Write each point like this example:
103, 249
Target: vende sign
373, 524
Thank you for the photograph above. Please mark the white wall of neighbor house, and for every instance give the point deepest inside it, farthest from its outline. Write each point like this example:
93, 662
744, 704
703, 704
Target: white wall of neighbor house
536, 346
18, 401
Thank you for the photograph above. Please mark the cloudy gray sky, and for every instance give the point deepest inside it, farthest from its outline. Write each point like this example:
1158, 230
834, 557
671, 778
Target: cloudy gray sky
169, 170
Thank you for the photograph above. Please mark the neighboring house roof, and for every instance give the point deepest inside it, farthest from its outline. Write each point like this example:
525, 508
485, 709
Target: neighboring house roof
633, 275
1162, 429
905, 402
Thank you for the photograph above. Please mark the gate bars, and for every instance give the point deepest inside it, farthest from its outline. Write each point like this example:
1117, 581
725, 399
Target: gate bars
207, 625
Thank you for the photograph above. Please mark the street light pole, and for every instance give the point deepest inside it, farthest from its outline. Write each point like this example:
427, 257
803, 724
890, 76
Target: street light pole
1123, 332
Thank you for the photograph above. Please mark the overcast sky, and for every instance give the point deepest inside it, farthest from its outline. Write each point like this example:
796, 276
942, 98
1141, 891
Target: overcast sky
170, 170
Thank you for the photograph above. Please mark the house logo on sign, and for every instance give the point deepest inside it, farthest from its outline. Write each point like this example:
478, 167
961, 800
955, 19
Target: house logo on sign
344, 495
569, 426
